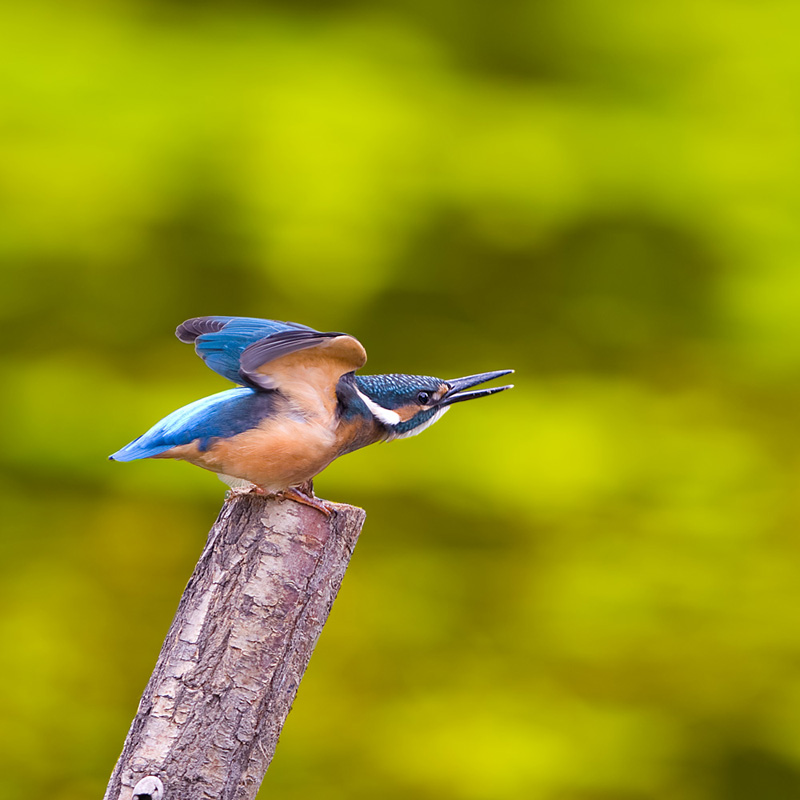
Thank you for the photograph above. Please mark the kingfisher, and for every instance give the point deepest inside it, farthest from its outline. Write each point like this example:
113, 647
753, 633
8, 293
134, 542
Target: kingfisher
298, 407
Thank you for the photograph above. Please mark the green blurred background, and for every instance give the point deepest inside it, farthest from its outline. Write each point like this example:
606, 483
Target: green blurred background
584, 589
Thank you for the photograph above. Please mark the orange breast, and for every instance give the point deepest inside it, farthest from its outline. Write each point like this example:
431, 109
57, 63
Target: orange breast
278, 454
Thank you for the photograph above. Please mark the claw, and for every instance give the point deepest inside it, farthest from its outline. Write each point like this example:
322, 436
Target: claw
307, 500
301, 494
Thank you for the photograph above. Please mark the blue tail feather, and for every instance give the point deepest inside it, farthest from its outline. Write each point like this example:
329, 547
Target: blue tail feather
139, 448
222, 415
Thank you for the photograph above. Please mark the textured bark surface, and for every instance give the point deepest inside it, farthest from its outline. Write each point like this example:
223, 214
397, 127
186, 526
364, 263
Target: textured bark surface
209, 720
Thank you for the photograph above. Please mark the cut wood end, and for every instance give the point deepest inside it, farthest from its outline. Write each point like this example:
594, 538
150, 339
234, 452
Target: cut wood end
298, 509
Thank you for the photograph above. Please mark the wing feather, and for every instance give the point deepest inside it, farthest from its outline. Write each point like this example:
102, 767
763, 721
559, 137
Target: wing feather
268, 355
220, 341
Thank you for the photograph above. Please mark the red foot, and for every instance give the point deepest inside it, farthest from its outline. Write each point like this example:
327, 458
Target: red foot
307, 500
302, 494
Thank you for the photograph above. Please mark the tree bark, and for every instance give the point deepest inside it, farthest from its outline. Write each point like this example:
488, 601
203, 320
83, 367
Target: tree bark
209, 720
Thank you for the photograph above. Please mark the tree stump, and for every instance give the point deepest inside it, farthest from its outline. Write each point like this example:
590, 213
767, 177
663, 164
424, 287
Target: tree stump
209, 720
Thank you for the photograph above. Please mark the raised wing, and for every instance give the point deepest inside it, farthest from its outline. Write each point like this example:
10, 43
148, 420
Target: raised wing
270, 355
220, 341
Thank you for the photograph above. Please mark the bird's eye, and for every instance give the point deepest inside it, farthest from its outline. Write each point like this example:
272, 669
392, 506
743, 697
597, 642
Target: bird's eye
423, 398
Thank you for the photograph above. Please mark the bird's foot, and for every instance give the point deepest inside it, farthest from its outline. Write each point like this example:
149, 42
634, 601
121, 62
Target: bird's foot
305, 494
301, 494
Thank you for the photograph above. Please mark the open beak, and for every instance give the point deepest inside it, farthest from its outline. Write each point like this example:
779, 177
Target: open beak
458, 387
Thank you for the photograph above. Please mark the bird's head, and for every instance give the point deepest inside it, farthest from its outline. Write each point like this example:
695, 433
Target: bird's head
407, 404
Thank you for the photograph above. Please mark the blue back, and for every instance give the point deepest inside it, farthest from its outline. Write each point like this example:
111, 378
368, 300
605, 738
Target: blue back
221, 415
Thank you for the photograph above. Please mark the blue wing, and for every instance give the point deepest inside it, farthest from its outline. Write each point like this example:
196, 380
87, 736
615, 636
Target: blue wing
220, 341
219, 416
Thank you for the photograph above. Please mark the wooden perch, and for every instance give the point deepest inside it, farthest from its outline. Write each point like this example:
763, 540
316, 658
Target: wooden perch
209, 720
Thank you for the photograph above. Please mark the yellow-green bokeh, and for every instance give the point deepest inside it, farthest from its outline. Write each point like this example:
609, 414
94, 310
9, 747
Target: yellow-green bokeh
584, 589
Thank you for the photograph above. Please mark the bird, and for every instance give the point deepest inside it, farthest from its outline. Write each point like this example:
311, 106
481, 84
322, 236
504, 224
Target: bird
298, 406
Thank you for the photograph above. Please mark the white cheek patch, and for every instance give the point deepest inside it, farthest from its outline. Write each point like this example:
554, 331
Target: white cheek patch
384, 415
414, 431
